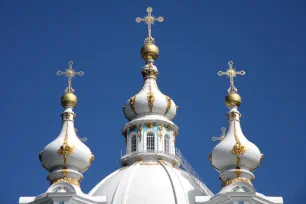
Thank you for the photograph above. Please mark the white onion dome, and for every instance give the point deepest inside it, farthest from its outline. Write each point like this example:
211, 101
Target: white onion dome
235, 156
150, 100
67, 156
149, 182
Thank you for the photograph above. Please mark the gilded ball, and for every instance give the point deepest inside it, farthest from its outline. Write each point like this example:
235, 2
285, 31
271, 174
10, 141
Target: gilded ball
149, 51
69, 99
232, 99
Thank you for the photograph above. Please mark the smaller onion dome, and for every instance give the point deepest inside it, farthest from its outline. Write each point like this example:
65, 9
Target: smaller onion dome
150, 100
69, 99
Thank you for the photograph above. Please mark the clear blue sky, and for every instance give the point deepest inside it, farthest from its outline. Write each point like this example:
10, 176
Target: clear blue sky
197, 39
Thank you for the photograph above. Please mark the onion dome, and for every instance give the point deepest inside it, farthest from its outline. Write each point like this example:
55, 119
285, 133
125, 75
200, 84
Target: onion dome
150, 100
235, 157
66, 157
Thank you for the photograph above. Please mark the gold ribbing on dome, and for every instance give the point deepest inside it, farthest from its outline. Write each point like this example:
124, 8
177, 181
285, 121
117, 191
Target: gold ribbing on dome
69, 99
149, 50
232, 98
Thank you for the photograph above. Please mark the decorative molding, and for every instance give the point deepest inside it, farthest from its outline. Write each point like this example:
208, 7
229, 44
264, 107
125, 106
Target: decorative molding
151, 99
234, 180
150, 124
169, 103
132, 103
168, 127
238, 148
160, 129
68, 180
149, 73
65, 150
139, 132
132, 127
92, 157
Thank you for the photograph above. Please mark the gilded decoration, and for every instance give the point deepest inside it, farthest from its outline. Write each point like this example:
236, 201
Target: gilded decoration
132, 127
67, 115
234, 180
231, 73
150, 124
160, 129
169, 102
149, 73
65, 149
238, 172
132, 103
151, 99
68, 180
168, 127
139, 131
64, 172
238, 148
149, 20
261, 158
92, 157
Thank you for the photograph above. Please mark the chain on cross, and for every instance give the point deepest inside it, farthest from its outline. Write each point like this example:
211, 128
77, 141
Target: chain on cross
223, 132
149, 20
70, 73
231, 73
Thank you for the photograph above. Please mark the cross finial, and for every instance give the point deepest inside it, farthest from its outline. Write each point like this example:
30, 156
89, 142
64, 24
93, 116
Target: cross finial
70, 73
223, 132
149, 20
231, 73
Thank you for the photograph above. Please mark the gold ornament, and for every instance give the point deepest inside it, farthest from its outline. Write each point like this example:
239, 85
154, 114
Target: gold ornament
150, 124
151, 99
149, 73
132, 103
65, 149
234, 180
238, 148
68, 180
160, 129
169, 103
92, 157
139, 131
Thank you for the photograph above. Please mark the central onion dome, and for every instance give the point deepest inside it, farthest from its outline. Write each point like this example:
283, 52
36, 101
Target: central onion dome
150, 100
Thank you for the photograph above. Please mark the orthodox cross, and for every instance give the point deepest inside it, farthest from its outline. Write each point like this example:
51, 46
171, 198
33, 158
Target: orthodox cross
223, 132
149, 20
231, 73
70, 73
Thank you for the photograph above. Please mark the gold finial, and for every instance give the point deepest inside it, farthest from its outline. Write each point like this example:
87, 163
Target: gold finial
70, 73
231, 73
149, 20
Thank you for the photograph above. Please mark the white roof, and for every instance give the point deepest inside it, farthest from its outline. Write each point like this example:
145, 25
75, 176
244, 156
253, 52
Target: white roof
148, 183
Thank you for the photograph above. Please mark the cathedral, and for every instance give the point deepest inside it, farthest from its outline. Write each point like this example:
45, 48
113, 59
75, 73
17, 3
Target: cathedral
150, 141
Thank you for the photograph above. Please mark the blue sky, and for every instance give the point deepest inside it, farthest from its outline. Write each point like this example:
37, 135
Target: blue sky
197, 39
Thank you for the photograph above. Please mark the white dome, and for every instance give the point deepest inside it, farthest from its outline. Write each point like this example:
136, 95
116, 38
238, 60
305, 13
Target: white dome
148, 183
79, 156
150, 100
222, 155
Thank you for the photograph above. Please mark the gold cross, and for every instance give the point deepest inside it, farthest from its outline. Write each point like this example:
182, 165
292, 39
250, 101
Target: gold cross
231, 73
149, 20
223, 132
70, 73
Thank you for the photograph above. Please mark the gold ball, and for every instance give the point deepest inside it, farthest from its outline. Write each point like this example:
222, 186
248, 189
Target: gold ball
69, 99
232, 99
149, 51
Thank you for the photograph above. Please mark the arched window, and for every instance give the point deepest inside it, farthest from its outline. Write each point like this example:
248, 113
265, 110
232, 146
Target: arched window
133, 143
167, 143
150, 142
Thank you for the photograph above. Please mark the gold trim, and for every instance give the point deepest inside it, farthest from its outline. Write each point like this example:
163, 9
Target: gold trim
169, 103
234, 180
132, 103
65, 150
150, 124
68, 180
64, 172
238, 148
160, 129
168, 127
151, 99
92, 157
149, 73
132, 127
139, 132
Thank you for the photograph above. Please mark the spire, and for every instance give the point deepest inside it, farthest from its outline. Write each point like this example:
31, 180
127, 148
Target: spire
150, 112
235, 157
67, 157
